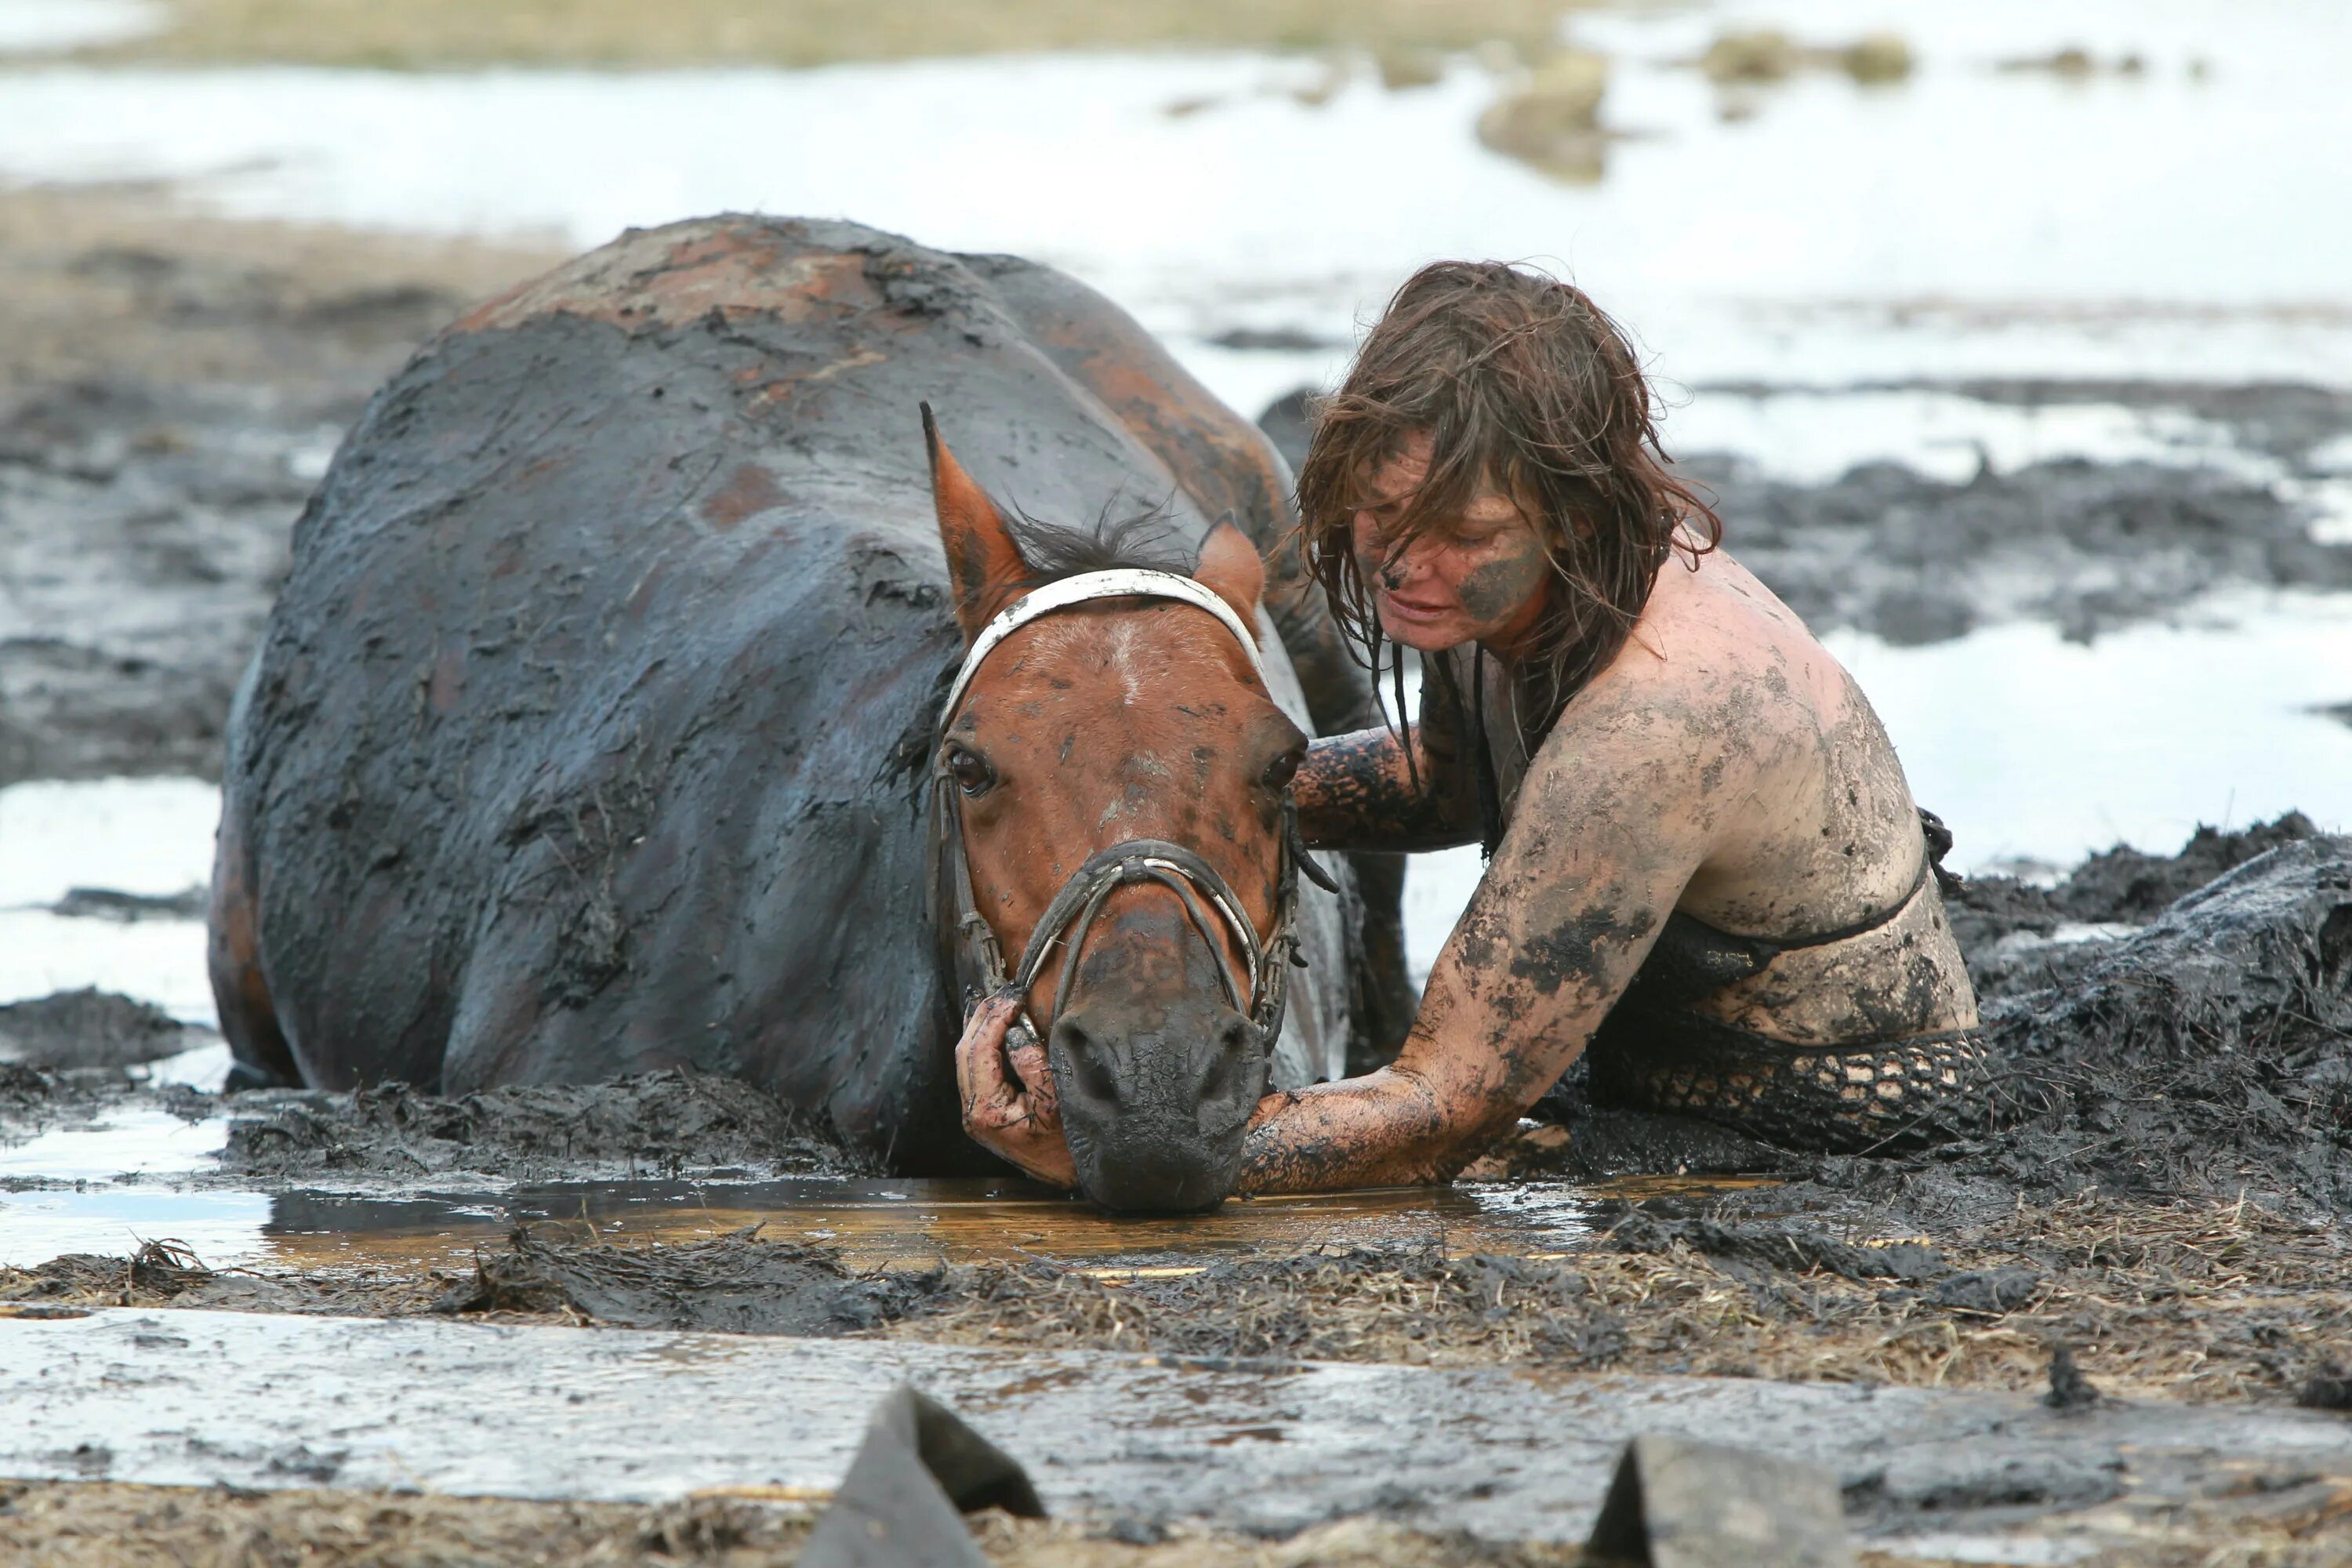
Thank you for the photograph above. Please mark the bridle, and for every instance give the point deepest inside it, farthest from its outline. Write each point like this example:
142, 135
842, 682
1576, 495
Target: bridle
969, 950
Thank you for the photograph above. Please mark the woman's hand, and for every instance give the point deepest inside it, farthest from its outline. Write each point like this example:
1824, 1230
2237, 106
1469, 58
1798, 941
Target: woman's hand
1010, 1109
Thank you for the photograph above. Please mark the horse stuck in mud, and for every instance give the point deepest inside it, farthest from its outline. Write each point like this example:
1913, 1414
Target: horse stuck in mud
612, 716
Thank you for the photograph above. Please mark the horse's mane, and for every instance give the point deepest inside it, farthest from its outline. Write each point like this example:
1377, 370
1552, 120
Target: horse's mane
1144, 542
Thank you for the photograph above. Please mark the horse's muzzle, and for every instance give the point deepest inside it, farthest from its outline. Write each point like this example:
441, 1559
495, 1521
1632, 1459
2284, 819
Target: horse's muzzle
1155, 1099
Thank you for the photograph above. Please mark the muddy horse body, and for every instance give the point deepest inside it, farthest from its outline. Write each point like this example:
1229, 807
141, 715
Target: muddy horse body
590, 732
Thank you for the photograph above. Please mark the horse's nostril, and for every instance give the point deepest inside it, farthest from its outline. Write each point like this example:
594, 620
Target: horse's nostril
1095, 1071
1230, 1063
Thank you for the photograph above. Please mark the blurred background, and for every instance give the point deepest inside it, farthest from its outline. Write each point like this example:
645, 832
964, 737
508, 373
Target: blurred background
2015, 337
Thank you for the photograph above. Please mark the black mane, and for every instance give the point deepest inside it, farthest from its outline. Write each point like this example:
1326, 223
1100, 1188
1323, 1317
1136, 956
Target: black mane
1145, 543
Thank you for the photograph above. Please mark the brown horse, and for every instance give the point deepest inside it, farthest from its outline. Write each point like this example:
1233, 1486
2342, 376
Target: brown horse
598, 728
1126, 730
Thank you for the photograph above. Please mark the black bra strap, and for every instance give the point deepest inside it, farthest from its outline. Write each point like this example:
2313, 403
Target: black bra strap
1871, 924
1931, 863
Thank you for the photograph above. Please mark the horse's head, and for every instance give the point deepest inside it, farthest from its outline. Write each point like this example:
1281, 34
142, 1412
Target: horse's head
1078, 742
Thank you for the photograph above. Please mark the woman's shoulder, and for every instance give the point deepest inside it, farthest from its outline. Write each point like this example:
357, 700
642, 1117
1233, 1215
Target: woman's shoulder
1717, 661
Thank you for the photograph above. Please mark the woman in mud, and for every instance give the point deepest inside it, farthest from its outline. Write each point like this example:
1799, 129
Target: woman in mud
1704, 869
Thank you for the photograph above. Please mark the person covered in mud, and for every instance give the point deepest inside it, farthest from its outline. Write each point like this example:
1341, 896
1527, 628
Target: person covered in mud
1704, 871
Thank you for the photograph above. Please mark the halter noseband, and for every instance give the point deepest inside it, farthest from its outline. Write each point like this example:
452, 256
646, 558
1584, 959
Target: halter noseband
970, 945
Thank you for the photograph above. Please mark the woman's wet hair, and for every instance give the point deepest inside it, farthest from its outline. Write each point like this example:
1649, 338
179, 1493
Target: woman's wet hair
1522, 384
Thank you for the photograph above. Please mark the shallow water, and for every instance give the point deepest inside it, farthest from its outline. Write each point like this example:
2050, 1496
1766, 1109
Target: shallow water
873, 1224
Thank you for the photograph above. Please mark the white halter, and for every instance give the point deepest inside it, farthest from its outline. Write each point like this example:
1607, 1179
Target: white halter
1125, 582
971, 942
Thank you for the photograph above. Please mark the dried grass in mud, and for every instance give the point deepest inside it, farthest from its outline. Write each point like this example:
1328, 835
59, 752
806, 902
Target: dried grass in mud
423, 34
90, 1524
2181, 1301
73, 1524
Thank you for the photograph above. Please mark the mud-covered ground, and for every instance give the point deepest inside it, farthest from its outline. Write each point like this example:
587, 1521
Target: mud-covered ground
170, 387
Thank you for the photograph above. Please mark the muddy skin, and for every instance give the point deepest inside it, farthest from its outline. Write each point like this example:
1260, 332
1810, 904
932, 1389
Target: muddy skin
1358, 794
1494, 590
518, 805
1904, 980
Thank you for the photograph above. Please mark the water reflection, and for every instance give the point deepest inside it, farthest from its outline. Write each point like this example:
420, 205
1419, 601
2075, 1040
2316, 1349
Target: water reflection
877, 1224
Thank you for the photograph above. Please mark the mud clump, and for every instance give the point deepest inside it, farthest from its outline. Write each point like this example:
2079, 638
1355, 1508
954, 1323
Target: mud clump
1341, 1304
661, 1123
88, 1028
2011, 929
2179, 1300
1797, 1247
2087, 546
2119, 885
158, 1273
2211, 1053
734, 1284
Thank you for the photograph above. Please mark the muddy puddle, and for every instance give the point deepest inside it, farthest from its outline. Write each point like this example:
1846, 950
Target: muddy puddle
869, 1224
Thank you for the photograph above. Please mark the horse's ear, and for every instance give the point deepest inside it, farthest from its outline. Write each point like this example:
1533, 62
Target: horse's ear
1231, 569
983, 559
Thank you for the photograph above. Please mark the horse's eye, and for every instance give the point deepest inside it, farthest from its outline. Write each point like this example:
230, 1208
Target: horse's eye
1282, 770
971, 771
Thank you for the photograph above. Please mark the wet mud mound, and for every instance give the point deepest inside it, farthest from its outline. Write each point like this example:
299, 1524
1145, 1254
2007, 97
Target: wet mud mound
2182, 1300
2207, 1054
662, 1123
2090, 546
89, 1028
2119, 887
735, 1284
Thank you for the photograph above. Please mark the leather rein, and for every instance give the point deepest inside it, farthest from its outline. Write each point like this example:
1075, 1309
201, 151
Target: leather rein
969, 950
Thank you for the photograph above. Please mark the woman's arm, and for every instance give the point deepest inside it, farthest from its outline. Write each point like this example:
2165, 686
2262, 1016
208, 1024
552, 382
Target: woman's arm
1357, 792
1598, 853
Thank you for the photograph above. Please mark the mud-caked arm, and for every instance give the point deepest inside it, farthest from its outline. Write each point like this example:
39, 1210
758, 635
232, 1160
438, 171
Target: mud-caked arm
1596, 857
1359, 792
1363, 791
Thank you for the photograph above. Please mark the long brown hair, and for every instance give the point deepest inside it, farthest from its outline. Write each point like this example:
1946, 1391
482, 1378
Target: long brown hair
1523, 384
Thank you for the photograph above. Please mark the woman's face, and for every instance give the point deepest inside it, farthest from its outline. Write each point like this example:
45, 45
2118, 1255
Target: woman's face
1479, 576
